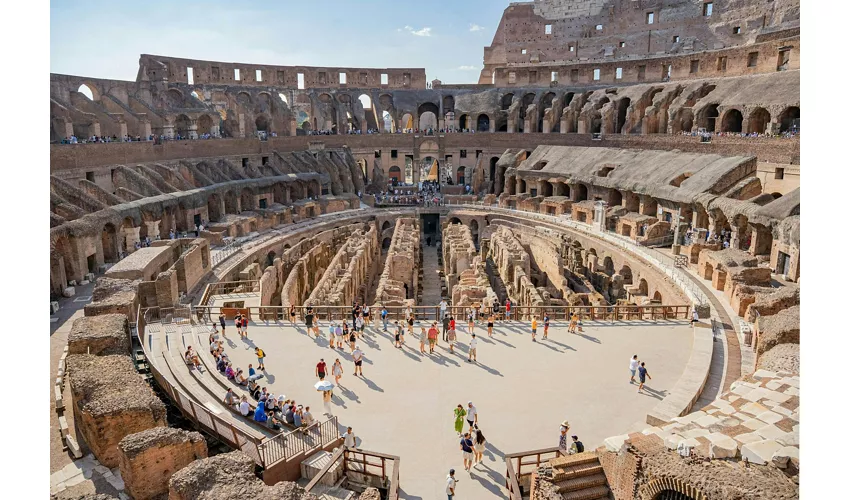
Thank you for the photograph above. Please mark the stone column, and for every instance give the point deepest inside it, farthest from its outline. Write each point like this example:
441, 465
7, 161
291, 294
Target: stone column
131, 237
547, 127
146, 130
153, 228
511, 126
168, 131
193, 129
122, 129
95, 129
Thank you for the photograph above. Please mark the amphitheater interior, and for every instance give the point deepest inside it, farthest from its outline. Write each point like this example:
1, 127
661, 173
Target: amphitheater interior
633, 163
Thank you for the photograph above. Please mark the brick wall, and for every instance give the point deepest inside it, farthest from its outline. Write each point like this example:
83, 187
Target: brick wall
166, 288
621, 470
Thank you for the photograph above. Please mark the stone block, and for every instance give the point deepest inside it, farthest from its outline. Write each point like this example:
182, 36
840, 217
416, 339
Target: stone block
760, 452
706, 421
771, 432
100, 335
783, 455
149, 458
770, 417
73, 447
695, 433
754, 409
63, 426
763, 374
753, 424
749, 437
722, 446
58, 401
615, 443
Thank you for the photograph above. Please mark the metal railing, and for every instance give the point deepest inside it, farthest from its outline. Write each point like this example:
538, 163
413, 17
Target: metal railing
357, 461
304, 440
228, 250
514, 476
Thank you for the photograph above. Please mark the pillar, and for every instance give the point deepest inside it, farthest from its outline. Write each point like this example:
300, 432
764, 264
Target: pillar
146, 129
241, 121
122, 129
69, 129
153, 228
168, 131
193, 129
131, 237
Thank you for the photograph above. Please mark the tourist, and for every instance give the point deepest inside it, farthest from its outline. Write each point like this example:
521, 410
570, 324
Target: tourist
340, 336
451, 482
326, 401
245, 408
496, 308
251, 371
451, 337
446, 323
307, 417
642, 375
478, 444
633, 364
229, 372
192, 358
534, 328
432, 337
384, 314
577, 446
331, 335
466, 447
357, 356
694, 317
240, 377
359, 323
545, 325
443, 306
573, 323
272, 422
292, 314
470, 320
490, 325
308, 320
399, 334
253, 388
471, 414
349, 440
409, 326
221, 365
508, 310
289, 415
336, 369
563, 446
260, 413
260, 357
365, 313
237, 321
321, 369
223, 326
423, 335
352, 338
230, 399
459, 413
473, 348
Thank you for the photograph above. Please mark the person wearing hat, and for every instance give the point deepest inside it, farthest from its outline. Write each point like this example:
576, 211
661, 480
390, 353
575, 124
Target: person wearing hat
471, 414
451, 482
562, 442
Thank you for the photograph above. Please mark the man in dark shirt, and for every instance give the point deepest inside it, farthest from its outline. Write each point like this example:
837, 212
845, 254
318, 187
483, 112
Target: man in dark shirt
446, 321
466, 448
321, 369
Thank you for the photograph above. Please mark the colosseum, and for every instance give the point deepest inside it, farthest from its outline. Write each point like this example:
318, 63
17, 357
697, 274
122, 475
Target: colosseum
289, 281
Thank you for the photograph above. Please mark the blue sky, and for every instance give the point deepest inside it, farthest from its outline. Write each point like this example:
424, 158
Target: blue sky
446, 37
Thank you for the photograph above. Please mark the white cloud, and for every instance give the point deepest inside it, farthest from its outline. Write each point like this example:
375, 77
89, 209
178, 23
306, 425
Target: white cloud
423, 32
467, 68
475, 27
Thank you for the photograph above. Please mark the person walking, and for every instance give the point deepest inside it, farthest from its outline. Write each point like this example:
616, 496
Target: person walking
292, 314
261, 355
534, 328
466, 447
223, 324
694, 317
398, 333
451, 483
490, 320
573, 323
432, 337
443, 306
446, 322
471, 414
366, 318
359, 323
409, 326
336, 369
473, 349
340, 337
451, 337
357, 355
479, 442
384, 315
321, 369
331, 335
459, 414
326, 401
642, 375
470, 320
349, 440
423, 337
633, 365
352, 338
545, 325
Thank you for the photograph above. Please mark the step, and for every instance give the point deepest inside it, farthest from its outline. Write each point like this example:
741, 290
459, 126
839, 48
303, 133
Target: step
587, 494
574, 471
581, 483
584, 457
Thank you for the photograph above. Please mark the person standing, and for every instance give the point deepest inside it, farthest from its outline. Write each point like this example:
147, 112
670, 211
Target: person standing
340, 337
563, 444
336, 369
446, 322
321, 369
694, 317
357, 355
459, 414
260, 357
326, 400
352, 338
490, 320
423, 336
470, 321
331, 335
545, 325
479, 442
451, 337
349, 440
409, 326
308, 320
534, 328
471, 414
508, 309
466, 447
292, 314
223, 325
432, 337
398, 332
642, 375
443, 306
633, 365
451, 482
366, 318
384, 314
473, 349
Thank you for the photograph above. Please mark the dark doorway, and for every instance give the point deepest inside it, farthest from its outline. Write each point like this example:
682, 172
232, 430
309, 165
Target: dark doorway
197, 220
431, 224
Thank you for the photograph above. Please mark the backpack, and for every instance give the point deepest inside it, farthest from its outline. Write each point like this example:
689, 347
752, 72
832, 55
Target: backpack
579, 446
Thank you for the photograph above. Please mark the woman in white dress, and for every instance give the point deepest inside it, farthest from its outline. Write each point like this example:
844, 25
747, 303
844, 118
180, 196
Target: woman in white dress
336, 370
478, 444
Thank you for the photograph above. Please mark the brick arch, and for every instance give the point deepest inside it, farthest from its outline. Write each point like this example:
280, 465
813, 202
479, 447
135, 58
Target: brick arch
655, 489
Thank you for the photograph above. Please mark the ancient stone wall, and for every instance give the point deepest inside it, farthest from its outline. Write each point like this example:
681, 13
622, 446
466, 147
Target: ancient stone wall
149, 458
401, 266
514, 267
466, 270
347, 274
110, 401
100, 335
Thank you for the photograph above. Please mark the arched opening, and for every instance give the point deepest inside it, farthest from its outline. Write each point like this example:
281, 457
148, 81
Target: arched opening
407, 122
656, 297
581, 192
369, 110
182, 125
385, 245
387, 121
214, 207
622, 110
262, 123
643, 287
626, 273
507, 99
247, 199
270, 258
545, 103
527, 100
473, 228
454, 220
608, 265
205, 124
428, 113
463, 122
733, 121
789, 120
86, 91
109, 242
231, 203
283, 98
492, 178
386, 225
615, 198
483, 123
685, 122
461, 175
709, 117
758, 121
395, 175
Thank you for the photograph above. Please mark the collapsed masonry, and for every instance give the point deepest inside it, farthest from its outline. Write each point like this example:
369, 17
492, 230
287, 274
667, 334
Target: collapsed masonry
466, 271
149, 458
348, 273
514, 267
401, 266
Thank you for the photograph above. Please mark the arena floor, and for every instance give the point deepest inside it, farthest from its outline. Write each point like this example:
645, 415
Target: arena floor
523, 390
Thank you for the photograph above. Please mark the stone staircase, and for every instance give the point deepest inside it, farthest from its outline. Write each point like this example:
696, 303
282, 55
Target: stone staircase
496, 282
580, 477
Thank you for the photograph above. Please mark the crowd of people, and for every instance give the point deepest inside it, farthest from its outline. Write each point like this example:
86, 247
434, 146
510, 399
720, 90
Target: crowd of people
156, 139
781, 135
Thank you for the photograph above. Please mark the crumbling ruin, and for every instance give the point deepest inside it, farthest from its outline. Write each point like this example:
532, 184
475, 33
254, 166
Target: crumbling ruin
149, 458
400, 266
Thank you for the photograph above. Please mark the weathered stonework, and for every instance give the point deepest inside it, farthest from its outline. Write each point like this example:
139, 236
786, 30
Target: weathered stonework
100, 335
149, 458
401, 265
